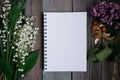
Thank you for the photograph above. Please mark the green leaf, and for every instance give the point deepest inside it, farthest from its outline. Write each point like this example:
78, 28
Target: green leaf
30, 61
14, 14
92, 55
114, 53
22, 2
111, 30
1, 24
103, 54
1, 47
5, 67
14, 2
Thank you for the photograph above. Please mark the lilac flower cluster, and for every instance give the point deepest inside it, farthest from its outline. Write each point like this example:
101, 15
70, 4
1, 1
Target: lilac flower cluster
108, 13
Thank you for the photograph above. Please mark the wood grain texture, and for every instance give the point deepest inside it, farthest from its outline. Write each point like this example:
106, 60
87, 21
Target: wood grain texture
57, 6
81, 6
107, 67
107, 70
34, 7
56, 76
95, 71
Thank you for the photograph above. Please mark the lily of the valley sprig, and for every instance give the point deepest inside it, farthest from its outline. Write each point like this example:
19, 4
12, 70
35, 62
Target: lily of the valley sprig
17, 40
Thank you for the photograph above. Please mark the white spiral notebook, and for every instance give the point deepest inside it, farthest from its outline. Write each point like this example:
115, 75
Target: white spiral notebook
65, 41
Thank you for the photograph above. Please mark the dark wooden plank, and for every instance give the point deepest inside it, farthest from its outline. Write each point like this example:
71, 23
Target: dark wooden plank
0, 7
93, 70
56, 76
57, 6
107, 70
34, 7
107, 67
101, 71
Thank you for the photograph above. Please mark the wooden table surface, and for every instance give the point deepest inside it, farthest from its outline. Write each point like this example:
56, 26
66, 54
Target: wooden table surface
95, 71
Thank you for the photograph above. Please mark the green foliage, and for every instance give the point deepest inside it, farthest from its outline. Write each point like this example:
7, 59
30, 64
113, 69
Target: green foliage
115, 52
9, 64
1, 24
111, 49
1, 47
14, 14
111, 30
99, 54
92, 55
14, 2
104, 53
30, 61
1, 28
5, 67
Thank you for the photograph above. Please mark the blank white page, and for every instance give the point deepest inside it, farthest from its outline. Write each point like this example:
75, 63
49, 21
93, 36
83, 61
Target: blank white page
65, 41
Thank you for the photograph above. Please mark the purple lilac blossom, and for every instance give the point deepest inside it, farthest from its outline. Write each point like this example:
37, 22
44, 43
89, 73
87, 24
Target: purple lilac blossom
108, 13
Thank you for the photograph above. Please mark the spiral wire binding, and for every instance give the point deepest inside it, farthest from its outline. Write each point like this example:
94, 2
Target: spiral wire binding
45, 41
